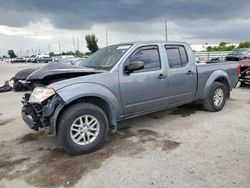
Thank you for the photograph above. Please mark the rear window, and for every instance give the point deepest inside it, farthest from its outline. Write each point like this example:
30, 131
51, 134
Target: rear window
177, 56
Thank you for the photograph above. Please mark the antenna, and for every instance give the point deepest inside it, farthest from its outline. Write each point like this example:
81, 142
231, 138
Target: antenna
166, 28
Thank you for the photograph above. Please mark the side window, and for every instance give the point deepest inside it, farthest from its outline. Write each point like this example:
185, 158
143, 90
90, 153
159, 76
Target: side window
177, 56
149, 55
174, 58
184, 57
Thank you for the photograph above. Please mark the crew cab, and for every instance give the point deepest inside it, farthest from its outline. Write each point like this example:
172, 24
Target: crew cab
80, 104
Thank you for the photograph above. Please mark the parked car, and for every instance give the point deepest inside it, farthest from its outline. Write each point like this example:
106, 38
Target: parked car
62, 58
238, 54
31, 58
74, 61
80, 104
245, 71
42, 59
18, 60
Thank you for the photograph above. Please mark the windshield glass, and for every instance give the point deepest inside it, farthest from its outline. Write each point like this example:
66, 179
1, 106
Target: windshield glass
240, 52
107, 57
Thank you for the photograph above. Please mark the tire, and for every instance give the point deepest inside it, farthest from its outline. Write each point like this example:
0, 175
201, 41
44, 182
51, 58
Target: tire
242, 84
210, 104
75, 115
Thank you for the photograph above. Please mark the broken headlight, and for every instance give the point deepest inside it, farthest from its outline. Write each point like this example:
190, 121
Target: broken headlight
40, 94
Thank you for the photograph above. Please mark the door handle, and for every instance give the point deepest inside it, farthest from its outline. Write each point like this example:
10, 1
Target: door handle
190, 72
162, 76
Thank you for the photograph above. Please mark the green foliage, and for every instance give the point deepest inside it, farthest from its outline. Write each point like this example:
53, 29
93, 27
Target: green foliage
5, 57
91, 41
244, 45
223, 46
87, 53
52, 54
77, 53
11, 53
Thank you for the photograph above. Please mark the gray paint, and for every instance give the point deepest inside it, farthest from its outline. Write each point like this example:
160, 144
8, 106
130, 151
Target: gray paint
140, 93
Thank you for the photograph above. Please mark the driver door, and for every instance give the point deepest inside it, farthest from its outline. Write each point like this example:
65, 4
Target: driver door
146, 89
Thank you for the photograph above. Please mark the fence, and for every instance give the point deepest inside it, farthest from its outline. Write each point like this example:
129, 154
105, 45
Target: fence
208, 56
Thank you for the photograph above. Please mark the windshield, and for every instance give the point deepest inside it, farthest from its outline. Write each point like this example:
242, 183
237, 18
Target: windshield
240, 52
107, 57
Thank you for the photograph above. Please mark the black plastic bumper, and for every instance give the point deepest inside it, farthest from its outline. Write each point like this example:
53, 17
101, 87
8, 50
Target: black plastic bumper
28, 118
41, 115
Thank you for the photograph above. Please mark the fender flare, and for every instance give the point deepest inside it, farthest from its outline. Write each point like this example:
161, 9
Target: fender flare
219, 74
74, 92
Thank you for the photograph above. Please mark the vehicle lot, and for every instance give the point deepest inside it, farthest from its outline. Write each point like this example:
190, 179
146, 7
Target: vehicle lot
182, 147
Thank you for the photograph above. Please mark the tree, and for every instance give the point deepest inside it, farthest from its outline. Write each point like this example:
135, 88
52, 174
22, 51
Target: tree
223, 46
91, 41
245, 44
11, 53
52, 54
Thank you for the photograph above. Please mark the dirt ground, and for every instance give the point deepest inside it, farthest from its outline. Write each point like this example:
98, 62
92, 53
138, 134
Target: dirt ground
182, 147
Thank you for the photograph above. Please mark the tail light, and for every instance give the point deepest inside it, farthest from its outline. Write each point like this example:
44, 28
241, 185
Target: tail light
238, 70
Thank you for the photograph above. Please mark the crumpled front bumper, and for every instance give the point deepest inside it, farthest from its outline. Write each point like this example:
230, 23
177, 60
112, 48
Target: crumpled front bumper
42, 115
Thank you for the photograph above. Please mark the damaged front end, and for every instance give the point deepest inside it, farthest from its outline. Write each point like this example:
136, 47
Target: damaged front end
42, 115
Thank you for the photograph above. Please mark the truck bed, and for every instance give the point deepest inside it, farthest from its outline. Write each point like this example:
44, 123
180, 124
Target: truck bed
206, 70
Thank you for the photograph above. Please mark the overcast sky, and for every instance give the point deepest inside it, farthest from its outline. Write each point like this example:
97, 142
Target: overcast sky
34, 24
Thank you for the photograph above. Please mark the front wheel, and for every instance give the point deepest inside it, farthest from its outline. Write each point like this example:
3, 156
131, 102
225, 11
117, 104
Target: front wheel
216, 98
82, 129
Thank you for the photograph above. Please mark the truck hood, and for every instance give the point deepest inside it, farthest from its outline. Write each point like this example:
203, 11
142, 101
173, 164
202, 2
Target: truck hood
56, 71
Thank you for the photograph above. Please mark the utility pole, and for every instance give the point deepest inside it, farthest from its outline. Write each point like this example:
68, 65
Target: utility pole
77, 44
74, 44
48, 48
166, 28
107, 42
59, 45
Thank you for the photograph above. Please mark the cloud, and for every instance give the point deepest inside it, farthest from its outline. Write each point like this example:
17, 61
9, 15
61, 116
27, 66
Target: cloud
78, 14
38, 23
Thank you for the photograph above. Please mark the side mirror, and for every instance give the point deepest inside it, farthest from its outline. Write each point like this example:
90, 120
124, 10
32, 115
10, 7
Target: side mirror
134, 66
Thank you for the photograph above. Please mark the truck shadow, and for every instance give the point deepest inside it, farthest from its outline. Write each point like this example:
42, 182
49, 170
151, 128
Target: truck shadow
34, 158
40, 162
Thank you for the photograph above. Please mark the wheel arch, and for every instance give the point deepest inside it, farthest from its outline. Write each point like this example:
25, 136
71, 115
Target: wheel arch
97, 95
217, 76
100, 102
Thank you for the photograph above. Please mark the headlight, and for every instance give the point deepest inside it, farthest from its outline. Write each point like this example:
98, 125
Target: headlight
40, 94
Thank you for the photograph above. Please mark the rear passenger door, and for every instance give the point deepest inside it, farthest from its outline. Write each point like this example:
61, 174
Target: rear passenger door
182, 75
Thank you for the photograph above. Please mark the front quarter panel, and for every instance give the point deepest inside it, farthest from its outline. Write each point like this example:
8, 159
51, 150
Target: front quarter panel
80, 90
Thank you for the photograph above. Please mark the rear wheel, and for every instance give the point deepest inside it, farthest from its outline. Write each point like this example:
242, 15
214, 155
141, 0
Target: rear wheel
82, 129
216, 98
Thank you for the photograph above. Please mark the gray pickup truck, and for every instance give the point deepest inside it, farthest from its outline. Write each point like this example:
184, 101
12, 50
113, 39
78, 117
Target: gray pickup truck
80, 104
